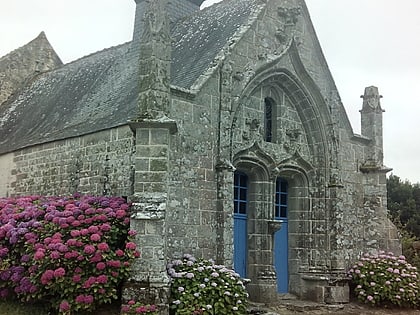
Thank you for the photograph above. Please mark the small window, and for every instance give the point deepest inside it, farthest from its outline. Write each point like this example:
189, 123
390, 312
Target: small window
240, 193
268, 119
281, 199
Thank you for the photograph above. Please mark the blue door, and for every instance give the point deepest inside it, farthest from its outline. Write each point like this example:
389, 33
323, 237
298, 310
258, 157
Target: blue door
281, 244
240, 233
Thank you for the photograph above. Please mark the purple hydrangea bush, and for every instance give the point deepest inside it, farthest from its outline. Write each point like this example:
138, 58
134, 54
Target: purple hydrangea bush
71, 252
385, 279
202, 287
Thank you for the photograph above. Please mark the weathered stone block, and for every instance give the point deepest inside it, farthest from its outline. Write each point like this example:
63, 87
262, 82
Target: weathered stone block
337, 294
159, 136
158, 165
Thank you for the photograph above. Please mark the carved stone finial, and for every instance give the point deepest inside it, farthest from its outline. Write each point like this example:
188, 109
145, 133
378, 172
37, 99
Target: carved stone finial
371, 99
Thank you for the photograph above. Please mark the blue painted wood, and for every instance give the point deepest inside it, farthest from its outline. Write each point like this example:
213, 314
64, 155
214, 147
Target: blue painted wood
240, 230
281, 258
240, 244
281, 237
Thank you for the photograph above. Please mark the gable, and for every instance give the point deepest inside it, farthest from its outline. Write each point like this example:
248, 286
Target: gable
24, 63
283, 40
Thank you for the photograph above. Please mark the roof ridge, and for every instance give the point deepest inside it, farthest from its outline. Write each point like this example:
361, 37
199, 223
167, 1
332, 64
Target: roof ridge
97, 52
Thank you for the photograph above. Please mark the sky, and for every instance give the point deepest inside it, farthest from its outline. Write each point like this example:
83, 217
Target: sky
365, 42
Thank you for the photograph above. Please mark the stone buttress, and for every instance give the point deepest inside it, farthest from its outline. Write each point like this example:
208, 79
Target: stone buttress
148, 281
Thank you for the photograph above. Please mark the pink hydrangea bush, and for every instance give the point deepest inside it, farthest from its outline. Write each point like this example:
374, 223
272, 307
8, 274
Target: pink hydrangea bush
202, 287
132, 308
71, 252
385, 279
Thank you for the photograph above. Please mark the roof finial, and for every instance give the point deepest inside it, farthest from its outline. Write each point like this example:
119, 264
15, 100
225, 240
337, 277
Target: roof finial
371, 99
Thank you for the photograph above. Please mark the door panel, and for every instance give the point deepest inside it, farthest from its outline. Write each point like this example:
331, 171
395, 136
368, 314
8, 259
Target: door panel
281, 237
281, 258
240, 244
240, 230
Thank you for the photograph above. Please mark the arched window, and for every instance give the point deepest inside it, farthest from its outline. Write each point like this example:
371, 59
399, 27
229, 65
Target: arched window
269, 117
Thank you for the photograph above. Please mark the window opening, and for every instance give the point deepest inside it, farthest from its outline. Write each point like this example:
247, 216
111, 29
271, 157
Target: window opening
240, 193
268, 119
281, 198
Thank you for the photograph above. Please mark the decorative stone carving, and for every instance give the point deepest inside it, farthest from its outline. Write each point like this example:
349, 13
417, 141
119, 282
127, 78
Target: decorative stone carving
371, 98
252, 128
289, 15
238, 76
274, 226
292, 143
285, 31
281, 34
225, 164
274, 173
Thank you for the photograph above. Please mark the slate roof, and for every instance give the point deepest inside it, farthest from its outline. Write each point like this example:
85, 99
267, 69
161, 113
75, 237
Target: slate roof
91, 94
198, 39
100, 91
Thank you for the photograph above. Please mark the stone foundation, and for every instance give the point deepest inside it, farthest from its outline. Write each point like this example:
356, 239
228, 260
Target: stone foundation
324, 289
148, 293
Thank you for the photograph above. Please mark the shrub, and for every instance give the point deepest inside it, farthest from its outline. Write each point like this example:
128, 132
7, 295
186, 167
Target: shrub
70, 252
408, 248
385, 279
133, 307
201, 287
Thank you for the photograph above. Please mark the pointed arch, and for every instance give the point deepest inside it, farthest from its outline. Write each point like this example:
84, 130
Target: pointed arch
310, 107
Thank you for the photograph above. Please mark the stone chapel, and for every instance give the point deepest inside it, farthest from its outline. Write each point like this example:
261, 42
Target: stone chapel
225, 130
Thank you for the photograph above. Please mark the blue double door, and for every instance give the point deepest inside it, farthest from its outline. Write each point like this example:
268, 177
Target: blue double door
241, 186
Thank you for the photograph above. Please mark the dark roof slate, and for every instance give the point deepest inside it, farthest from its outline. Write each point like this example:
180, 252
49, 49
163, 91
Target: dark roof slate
198, 39
100, 91
93, 93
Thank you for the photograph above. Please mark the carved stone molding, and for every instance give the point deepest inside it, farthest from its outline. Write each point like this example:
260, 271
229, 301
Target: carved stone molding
274, 226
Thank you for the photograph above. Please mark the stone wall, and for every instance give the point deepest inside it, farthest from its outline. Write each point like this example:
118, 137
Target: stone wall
98, 164
192, 221
6, 177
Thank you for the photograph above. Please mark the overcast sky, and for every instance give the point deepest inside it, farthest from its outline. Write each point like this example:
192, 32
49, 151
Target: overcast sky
366, 42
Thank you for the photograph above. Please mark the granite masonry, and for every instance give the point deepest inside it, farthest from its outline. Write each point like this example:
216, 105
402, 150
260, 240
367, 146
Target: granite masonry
225, 130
